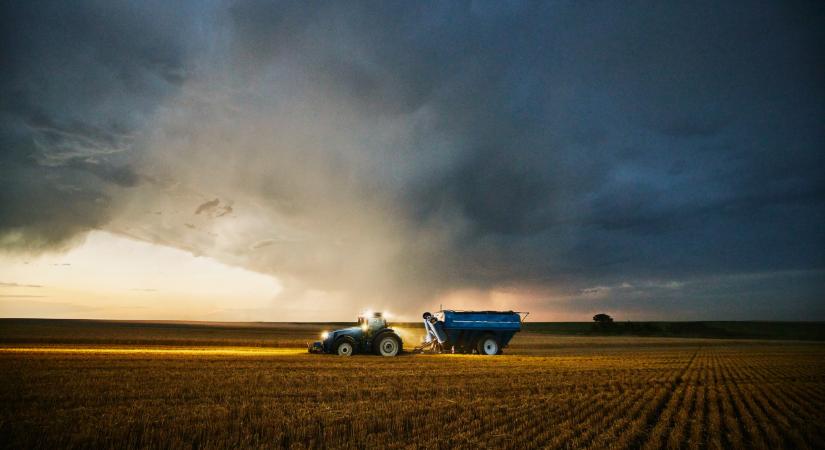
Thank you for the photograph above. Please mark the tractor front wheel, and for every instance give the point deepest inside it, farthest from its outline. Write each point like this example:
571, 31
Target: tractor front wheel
344, 348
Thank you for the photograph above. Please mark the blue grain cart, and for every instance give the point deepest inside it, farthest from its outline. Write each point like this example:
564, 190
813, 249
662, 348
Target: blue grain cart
482, 332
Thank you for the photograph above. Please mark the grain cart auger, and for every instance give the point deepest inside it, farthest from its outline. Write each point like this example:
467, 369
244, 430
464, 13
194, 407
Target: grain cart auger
372, 335
482, 332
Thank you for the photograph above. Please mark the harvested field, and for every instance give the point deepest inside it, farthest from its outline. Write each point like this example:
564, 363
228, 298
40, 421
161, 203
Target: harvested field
545, 392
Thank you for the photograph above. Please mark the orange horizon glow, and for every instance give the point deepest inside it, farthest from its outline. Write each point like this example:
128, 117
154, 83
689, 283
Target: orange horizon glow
113, 277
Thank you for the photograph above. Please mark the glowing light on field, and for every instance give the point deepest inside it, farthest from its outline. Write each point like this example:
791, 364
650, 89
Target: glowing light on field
228, 351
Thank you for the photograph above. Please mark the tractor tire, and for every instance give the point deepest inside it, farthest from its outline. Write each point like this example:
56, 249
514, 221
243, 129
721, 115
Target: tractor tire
488, 345
387, 344
345, 346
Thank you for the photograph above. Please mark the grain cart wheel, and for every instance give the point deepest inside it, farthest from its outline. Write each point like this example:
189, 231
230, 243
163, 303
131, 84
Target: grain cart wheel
388, 344
488, 345
345, 347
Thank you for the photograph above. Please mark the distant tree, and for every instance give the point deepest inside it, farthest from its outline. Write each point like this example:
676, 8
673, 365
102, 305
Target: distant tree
602, 319
604, 324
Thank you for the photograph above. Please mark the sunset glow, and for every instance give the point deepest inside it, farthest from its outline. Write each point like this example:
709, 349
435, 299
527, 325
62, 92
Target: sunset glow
113, 277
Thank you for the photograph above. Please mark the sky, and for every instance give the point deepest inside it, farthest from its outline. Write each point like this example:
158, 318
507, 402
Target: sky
303, 161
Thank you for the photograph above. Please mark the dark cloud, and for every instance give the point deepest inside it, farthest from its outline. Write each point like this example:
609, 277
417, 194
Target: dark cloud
78, 82
681, 88
124, 176
207, 207
456, 145
212, 208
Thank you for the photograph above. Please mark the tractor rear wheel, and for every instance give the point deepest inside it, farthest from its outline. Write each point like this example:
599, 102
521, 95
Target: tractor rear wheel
344, 347
388, 344
488, 345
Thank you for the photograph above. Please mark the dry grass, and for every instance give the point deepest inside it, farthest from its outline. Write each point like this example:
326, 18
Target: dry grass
547, 392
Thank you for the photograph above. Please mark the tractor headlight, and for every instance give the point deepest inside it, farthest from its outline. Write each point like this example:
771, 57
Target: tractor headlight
364, 327
325, 335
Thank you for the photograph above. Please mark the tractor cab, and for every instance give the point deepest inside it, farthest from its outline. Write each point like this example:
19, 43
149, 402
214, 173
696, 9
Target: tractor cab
370, 323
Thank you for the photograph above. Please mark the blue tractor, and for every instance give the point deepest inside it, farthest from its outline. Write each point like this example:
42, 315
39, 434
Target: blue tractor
481, 332
372, 335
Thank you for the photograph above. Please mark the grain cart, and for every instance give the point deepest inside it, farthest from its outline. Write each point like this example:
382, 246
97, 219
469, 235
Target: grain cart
482, 332
372, 335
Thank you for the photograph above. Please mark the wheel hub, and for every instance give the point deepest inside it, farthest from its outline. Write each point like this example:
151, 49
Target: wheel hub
345, 349
490, 347
388, 347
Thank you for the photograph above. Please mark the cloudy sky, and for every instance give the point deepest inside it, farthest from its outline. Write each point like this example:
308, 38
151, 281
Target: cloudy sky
305, 160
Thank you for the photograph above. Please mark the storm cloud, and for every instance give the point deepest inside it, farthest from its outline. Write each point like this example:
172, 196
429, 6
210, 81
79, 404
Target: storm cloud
655, 159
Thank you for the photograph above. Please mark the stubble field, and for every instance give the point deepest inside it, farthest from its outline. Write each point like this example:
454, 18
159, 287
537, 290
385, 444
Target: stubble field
93, 384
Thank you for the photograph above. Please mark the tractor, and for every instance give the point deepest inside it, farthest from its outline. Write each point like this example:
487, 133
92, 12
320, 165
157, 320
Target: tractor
371, 335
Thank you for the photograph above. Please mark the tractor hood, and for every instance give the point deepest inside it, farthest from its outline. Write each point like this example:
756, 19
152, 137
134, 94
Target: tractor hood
351, 331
